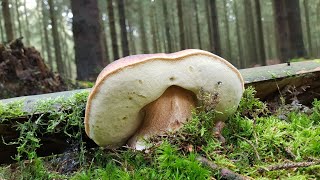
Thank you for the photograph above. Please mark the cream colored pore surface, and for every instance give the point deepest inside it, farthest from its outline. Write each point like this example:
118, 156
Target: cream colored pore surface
114, 114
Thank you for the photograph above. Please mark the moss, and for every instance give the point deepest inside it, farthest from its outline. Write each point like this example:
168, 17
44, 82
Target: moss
255, 139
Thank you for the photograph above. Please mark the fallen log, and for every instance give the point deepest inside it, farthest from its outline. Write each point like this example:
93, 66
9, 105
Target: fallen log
299, 80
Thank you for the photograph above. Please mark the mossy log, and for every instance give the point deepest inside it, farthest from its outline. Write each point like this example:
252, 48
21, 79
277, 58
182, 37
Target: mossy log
299, 81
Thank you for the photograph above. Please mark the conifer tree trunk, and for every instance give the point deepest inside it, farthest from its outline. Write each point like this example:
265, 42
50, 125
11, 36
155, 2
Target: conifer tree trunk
167, 25
18, 18
228, 41
215, 28
241, 60
123, 27
7, 20
210, 33
153, 29
142, 24
39, 23
113, 33
46, 34
106, 60
56, 39
308, 28
195, 5
1, 29
133, 48
253, 55
27, 36
181, 25
260, 39
89, 46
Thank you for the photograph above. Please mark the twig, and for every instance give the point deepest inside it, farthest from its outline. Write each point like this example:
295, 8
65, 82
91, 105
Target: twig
225, 173
288, 166
250, 143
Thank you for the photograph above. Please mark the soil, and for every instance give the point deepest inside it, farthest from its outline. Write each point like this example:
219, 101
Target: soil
24, 72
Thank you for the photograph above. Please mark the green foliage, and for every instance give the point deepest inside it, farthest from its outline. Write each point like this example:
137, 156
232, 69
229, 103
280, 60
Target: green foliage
10, 110
254, 139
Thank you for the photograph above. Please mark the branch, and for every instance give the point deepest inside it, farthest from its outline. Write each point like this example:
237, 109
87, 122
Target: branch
288, 166
225, 173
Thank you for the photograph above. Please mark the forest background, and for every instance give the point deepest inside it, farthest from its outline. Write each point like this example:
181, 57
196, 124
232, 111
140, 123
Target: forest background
78, 38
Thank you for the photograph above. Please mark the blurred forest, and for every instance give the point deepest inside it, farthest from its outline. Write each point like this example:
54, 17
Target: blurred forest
78, 38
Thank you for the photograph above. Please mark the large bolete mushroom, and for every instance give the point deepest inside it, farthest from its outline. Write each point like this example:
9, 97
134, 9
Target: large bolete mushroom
143, 95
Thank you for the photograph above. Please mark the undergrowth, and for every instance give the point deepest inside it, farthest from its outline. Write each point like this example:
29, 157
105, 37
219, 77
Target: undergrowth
255, 140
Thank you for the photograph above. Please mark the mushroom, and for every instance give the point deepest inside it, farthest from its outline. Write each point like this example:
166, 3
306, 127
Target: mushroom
143, 95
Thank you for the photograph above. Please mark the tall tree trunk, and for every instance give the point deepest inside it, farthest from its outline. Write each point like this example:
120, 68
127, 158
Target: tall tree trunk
296, 36
308, 28
181, 25
89, 49
104, 41
195, 5
123, 27
113, 32
167, 25
27, 23
260, 39
133, 48
209, 22
228, 41
142, 28
253, 55
18, 18
39, 23
215, 28
241, 60
46, 34
1, 29
153, 29
7, 20
288, 29
56, 39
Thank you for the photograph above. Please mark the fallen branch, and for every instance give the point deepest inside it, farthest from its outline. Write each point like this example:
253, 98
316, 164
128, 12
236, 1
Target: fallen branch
225, 173
289, 165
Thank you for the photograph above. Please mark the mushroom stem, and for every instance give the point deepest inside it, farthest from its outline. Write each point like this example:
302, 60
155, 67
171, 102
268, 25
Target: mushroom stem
168, 113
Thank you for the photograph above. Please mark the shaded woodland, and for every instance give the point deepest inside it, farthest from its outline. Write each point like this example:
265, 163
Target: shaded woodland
78, 42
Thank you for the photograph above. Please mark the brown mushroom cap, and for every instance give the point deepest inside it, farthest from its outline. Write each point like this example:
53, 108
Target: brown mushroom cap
124, 87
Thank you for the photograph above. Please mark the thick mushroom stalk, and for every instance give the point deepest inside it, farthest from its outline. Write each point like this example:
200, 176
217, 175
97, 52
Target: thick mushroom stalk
142, 95
167, 113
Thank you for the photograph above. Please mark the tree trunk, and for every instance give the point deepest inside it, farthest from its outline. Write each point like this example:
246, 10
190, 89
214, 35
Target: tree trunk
104, 41
167, 25
39, 23
181, 25
216, 48
56, 39
195, 5
294, 21
288, 29
123, 27
153, 29
89, 49
18, 18
241, 60
260, 39
133, 48
308, 28
7, 20
113, 32
142, 29
228, 41
1, 29
253, 55
27, 35
46, 34
210, 43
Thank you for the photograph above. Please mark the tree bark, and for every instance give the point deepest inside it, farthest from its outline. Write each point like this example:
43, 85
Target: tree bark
210, 43
288, 29
308, 28
87, 34
113, 32
18, 18
260, 39
27, 35
181, 25
1, 29
142, 29
56, 39
216, 48
123, 27
46, 34
105, 41
153, 29
241, 60
195, 5
7, 20
228, 41
167, 25
250, 33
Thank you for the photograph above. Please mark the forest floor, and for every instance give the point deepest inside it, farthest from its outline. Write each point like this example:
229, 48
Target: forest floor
261, 143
